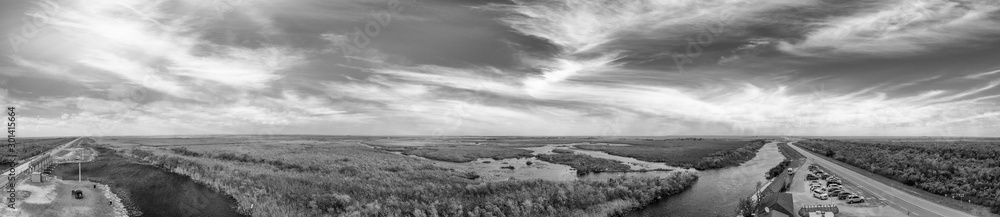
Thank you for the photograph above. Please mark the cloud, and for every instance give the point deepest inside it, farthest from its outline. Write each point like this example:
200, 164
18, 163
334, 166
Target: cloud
901, 28
141, 41
161, 68
981, 75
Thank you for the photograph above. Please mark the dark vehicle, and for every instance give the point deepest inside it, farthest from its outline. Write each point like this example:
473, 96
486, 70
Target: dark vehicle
78, 194
825, 176
811, 177
833, 182
844, 196
834, 193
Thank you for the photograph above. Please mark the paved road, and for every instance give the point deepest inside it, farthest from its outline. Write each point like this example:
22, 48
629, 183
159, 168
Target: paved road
901, 200
24, 166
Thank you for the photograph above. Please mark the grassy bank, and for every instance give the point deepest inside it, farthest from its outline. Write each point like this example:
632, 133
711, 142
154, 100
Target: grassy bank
700, 154
793, 159
585, 164
731, 157
467, 153
343, 178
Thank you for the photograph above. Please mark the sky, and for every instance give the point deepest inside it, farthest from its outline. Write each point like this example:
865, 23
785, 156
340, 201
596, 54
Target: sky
483, 67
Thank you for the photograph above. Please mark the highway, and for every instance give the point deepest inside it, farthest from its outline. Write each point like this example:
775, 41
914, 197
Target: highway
898, 199
24, 166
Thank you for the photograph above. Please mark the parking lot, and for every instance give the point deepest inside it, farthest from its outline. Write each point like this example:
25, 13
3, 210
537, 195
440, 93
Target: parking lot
803, 195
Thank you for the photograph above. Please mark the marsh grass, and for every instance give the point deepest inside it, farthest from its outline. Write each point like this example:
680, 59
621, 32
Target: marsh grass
351, 179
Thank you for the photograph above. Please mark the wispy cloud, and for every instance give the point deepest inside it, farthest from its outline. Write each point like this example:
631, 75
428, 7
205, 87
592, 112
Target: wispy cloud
580, 73
901, 28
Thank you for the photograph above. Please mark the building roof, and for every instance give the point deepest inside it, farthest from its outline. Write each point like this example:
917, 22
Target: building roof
780, 202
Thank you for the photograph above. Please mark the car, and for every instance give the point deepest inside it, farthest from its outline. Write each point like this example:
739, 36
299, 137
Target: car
833, 182
814, 187
824, 176
811, 177
78, 194
834, 186
844, 195
819, 190
790, 171
834, 194
855, 199
820, 196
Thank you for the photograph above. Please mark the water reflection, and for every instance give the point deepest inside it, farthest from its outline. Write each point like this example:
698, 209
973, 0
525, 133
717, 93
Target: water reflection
635, 164
717, 191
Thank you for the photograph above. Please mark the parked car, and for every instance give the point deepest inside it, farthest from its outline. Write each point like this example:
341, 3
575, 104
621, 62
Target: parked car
844, 196
824, 176
811, 177
855, 199
834, 182
835, 193
834, 187
814, 187
790, 171
820, 196
819, 190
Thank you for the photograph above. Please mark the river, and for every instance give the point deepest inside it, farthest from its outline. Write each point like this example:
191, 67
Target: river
717, 191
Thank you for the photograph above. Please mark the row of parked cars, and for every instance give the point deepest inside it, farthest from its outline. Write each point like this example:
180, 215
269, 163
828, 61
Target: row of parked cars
832, 188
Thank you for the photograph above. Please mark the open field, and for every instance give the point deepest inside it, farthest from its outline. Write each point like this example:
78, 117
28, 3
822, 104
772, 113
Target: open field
339, 176
699, 154
934, 169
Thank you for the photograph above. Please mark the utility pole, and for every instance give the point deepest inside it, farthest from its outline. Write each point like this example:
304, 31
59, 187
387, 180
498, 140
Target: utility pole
79, 172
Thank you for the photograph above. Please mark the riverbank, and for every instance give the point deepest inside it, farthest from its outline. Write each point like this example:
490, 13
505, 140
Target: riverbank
149, 191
